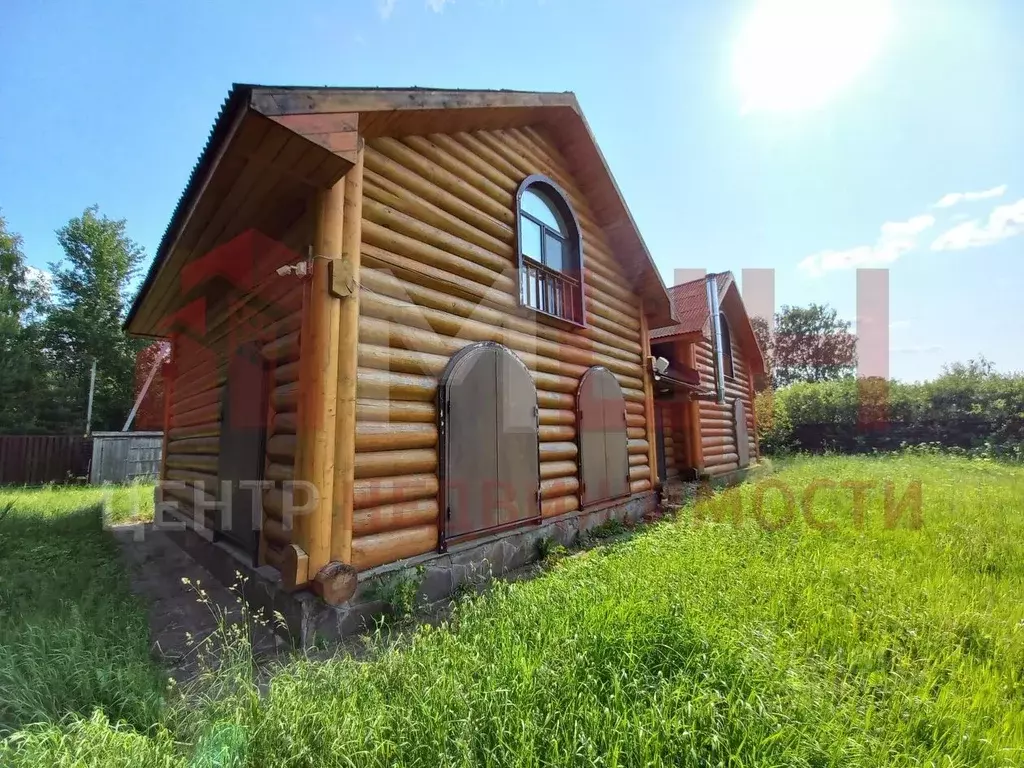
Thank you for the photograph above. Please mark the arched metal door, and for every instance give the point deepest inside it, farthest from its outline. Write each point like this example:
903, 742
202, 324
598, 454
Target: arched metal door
604, 443
488, 429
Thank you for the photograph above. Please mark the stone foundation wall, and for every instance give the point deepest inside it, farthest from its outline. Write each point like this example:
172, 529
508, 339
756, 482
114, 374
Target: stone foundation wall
439, 575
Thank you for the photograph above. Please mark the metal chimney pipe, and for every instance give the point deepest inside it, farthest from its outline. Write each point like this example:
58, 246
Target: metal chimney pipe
716, 338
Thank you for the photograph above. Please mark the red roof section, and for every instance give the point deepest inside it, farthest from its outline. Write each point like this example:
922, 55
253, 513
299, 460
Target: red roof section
690, 306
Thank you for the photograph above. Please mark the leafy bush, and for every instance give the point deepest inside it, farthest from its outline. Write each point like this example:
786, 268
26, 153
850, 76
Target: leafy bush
774, 426
969, 407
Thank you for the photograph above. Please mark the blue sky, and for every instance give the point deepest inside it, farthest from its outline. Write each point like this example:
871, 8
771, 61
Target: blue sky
110, 103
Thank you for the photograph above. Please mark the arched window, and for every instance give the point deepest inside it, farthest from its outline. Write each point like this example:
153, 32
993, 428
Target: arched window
550, 251
726, 345
604, 450
488, 439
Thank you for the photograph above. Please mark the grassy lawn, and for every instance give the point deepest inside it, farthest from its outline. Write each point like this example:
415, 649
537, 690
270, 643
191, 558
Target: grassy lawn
71, 636
854, 641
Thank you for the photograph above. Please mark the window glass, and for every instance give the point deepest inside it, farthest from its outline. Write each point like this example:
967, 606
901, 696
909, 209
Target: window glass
529, 231
553, 252
541, 209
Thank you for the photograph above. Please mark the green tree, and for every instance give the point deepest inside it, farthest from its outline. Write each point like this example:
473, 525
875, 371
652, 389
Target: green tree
22, 366
811, 344
84, 324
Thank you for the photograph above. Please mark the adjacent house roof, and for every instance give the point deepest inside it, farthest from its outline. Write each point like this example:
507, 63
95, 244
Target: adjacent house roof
302, 139
690, 306
693, 315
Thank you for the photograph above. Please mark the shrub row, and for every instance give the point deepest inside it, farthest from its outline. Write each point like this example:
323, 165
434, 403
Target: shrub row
964, 409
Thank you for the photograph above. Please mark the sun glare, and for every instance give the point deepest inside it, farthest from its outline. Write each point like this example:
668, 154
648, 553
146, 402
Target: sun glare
795, 55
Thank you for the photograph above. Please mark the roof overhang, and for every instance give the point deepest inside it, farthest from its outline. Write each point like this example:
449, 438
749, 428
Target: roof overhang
272, 148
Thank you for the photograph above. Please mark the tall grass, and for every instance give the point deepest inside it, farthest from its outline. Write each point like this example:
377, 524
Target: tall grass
694, 643
72, 638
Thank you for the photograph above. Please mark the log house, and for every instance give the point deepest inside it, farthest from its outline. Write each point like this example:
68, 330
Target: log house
407, 320
704, 397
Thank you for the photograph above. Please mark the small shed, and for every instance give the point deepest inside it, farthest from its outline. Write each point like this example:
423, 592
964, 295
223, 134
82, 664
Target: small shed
125, 457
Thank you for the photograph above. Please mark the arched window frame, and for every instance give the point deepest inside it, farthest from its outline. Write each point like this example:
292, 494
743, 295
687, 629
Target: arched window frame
564, 295
727, 361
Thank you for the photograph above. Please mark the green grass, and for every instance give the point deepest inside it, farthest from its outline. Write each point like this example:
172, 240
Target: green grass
693, 642
72, 638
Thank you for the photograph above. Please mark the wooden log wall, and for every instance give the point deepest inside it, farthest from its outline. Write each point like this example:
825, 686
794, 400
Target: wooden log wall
673, 456
717, 430
438, 273
271, 316
281, 350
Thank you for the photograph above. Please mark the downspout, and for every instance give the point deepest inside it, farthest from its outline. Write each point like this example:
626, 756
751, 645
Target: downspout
716, 338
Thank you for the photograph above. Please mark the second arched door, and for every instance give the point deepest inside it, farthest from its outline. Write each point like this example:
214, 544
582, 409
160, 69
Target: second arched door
604, 444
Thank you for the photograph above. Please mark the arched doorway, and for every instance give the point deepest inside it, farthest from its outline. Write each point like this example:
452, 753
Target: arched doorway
488, 441
604, 449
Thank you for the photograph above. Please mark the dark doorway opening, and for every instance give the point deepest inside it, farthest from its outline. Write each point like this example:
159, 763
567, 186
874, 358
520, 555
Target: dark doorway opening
242, 446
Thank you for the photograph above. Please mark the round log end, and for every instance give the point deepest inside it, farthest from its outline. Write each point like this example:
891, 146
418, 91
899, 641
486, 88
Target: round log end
336, 582
294, 567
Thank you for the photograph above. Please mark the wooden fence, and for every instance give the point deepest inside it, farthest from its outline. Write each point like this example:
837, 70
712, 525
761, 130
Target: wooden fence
37, 459
104, 457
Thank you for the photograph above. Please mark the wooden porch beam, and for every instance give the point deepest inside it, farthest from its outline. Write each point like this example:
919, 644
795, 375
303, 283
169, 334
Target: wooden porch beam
318, 387
346, 287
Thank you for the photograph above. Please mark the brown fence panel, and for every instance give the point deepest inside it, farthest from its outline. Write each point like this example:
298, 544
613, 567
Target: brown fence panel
38, 459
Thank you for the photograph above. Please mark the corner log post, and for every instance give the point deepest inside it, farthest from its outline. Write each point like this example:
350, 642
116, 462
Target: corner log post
318, 398
348, 364
651, 425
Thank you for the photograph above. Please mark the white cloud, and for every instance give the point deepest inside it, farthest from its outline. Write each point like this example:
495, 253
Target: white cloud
386, 7
895, 239
953, 198
1004, 222
922, 349
897, 325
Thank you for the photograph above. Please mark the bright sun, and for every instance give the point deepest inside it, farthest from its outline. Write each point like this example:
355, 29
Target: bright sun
795, 54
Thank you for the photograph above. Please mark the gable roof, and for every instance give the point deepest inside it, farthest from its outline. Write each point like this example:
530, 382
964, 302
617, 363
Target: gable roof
332, 121
690, 306
693, 315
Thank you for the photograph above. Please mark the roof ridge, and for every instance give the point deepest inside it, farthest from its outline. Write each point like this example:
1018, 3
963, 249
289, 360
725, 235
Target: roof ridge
393, 88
